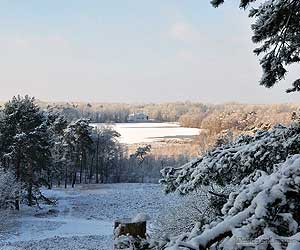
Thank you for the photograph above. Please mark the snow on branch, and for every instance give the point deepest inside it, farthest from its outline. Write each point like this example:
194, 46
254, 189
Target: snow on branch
264, 211
233, 162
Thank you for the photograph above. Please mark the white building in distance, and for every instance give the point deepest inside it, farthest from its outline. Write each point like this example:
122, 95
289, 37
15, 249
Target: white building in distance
138, 117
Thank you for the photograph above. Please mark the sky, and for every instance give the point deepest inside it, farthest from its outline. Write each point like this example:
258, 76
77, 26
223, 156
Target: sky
131, 51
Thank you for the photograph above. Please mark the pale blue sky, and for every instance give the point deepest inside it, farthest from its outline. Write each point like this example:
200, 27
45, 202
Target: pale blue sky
130, 51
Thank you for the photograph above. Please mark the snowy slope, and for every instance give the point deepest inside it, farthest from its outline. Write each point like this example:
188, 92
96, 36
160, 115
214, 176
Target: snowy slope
83, 217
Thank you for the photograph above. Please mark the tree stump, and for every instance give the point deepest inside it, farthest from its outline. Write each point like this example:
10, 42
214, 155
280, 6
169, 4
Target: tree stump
127, 227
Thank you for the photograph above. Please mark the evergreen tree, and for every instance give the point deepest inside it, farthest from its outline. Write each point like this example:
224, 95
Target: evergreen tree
230, 163
277, 28
77, 137
106, 150
262, 214
56, 126
264, 205
26, 143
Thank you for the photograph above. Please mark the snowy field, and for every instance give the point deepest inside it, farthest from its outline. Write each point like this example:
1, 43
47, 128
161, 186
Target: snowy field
132, 133
83, 217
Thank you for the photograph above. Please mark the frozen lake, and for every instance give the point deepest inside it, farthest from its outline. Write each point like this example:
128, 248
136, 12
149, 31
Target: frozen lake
132, 133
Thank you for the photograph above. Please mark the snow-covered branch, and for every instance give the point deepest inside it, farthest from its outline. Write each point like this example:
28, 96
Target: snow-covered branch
264, 212
233, 162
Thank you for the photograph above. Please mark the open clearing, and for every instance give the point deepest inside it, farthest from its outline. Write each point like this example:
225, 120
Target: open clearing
83, 217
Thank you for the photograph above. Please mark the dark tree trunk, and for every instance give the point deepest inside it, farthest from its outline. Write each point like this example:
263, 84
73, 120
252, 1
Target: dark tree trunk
49, 179
81, 168
91, 169
97, 160
30, 184
66, 176
75, 170
74, 179
101, 171
17, 202
18, 175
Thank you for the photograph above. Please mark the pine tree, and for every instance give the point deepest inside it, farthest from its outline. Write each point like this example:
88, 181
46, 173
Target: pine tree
25, 143
265, 203
56, 125
106, 149
230, 163
78, 141
262, 214
277, 28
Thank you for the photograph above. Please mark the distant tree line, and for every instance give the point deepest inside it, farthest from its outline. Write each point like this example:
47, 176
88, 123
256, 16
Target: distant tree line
220, 124
238, 116
119, 112
189, 114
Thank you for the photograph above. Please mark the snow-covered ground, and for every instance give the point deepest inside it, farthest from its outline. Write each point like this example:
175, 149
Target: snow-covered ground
132, 133
83, 217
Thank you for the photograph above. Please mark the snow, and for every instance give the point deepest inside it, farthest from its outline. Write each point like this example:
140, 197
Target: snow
243, 156
132, 133
31, 228
83, 217
256, 210
140, 218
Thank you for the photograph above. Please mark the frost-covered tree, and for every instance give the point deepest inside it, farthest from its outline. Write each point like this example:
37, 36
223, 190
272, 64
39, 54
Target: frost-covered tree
106, 150
56, 126
277, 30
8, 189
262, 214
141, 153
264, 209
192, 209
78, 141
232, 162
26, 143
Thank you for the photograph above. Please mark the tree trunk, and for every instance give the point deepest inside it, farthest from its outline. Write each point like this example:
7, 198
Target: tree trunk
97, 160
77, 163
91, 169
101, 171
83, 165
49, 177
85, 174
66, 176
17, 201
30, 184
74, 179
81, 168
18, 175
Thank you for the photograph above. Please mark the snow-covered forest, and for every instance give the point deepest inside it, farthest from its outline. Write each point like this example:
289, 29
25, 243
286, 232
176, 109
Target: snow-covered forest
48, 165
53, 175
230, 180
